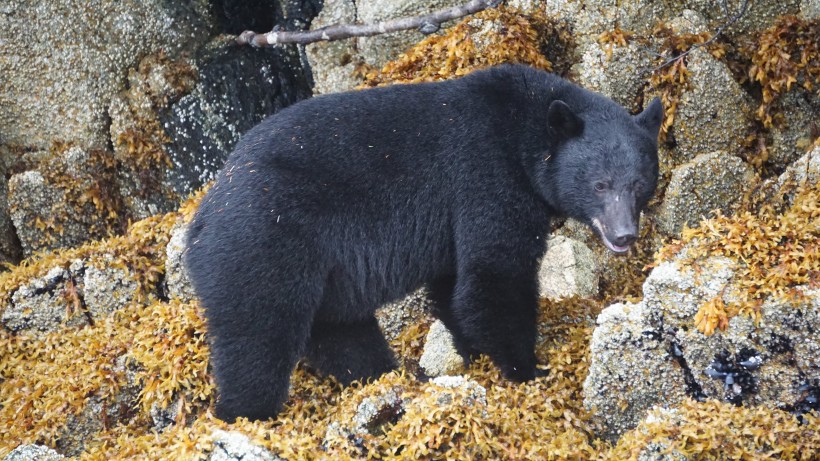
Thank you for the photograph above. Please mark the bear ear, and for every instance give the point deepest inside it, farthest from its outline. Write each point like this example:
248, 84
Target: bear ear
563, 122
651, 117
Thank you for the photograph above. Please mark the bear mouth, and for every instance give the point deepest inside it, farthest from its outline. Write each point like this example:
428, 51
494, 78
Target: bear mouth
614, 248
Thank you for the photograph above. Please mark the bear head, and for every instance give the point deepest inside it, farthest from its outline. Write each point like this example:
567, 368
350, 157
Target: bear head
602, 165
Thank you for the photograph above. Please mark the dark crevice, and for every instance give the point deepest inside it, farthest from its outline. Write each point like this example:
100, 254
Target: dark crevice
693, 388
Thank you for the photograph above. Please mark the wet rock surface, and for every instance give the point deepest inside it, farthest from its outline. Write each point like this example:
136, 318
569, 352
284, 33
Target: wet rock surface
237, 87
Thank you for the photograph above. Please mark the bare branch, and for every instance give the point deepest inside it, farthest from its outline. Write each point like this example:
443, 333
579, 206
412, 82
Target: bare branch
714, 37
426, 24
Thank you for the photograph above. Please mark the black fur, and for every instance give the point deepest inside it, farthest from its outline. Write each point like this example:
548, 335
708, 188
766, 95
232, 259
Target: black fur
338, 204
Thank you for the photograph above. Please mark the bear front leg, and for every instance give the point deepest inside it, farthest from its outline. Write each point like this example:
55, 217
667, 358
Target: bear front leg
441, 296
496, 314
350, 351
252, 365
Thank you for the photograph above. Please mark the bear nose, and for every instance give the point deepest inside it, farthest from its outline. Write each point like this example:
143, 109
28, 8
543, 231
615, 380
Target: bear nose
626, 239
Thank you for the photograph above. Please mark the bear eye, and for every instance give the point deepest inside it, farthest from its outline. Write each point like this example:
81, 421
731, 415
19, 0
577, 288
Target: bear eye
600, 186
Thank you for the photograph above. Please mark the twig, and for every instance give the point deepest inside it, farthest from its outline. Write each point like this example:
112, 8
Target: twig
426, 24
714, 37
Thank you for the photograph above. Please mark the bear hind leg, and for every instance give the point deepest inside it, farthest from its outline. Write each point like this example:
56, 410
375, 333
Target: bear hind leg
253, 356
350, 351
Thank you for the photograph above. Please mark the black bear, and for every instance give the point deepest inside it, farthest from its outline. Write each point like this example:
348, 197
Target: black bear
338, 204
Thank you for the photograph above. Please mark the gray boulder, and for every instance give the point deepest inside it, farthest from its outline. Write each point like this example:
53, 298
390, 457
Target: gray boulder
396, 316
334, 64
234, 446
69, 297
33, 453
379, 49
41, 306
106, 288
372, 414
713, 113
440, 357
810, 9
715, 181
48, 215
590, 18
177, 283
567, 269
618, 72
781, 190
650, 353
758, 15
57, 87
801, 111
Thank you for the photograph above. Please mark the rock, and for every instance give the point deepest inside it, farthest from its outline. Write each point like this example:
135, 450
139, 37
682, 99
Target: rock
396, 316
57, 87
45, 304
781, 190
801, 111
333, 64
70, 297
177, 282
10, 250
33, 453
101, 411
379, 49
810, 9
660, 451
371, 416
106, 289
525, 6
30, 200
567, 269
713, 112
589, 19
440, 356
234, 446
629, 351
374, 412
758, 15
614, 71
458, 390
709, 182
689, 22
650, 353
165, 417
70, 198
